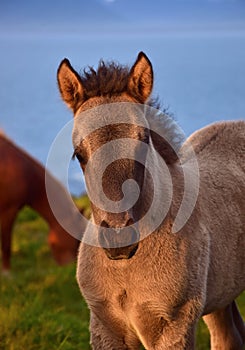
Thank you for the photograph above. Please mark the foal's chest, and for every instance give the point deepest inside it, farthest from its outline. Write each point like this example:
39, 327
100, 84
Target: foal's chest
129, 294
139, 306
148, 288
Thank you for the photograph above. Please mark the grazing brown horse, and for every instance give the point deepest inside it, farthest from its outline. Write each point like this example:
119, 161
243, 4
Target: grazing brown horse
22, 182
152, 288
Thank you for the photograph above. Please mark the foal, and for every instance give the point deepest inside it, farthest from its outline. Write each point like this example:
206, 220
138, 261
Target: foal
148, 281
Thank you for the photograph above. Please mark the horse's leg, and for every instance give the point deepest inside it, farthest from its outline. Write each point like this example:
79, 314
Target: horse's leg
175, 341
173, 337
6, 221
238, 321
223, 328
174, 332
104, 337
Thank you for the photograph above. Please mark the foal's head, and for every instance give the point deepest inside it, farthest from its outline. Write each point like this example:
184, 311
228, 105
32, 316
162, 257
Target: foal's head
108, 116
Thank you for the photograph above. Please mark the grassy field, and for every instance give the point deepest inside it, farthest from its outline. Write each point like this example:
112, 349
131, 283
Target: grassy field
40, 304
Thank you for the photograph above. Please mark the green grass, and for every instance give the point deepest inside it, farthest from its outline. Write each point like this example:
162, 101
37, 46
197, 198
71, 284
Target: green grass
41, 307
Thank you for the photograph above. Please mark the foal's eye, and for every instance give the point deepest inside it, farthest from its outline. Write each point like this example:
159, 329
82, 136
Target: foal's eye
79, 157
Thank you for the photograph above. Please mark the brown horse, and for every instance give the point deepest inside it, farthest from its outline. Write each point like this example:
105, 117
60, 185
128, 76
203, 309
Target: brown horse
22, 182
149, 281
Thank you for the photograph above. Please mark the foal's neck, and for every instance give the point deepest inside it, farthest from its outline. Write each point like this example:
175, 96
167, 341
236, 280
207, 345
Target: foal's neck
163, 190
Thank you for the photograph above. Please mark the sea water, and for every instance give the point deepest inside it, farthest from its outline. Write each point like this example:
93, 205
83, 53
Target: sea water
199, 77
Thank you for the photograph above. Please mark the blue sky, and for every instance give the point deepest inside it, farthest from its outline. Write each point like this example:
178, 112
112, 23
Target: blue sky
124, 15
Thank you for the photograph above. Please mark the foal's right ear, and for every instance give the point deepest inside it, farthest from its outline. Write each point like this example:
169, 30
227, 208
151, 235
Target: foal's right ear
70, 85
140, 81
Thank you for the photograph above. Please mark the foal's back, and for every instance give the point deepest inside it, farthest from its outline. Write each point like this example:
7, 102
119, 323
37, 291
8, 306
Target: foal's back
220, 150
218, 141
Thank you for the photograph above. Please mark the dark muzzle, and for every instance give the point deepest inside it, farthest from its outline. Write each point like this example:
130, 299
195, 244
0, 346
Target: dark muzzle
119, 243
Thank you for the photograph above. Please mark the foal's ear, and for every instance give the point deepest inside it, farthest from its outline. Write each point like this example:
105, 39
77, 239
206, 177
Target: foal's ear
140, 81
70, 85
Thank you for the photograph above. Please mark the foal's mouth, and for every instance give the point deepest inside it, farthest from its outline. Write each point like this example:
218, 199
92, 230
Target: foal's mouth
121, 253
119, 244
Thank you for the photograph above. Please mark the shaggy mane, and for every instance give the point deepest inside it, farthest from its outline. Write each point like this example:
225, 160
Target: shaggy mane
166, 135
109, 79
112, 79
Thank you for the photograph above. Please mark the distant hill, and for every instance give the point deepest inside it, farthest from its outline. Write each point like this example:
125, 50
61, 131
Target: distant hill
98, 14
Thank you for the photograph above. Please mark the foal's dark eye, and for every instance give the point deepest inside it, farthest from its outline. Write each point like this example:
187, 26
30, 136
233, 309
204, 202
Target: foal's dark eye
79, 157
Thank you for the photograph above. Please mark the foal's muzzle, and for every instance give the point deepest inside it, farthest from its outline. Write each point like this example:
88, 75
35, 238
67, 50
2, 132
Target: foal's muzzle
119, 243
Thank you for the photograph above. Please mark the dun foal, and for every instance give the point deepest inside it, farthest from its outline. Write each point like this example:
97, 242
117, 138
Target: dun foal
152, 289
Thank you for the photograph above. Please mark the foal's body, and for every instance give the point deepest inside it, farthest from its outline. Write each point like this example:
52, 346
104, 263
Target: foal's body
158, 295
154, 293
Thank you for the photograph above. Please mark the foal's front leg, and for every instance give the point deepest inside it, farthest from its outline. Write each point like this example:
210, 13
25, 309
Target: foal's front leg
173, 338
108, 338
175, 331
226, 328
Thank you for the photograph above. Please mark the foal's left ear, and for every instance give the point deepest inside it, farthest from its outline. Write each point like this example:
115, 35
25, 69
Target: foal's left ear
70, 85
140, 81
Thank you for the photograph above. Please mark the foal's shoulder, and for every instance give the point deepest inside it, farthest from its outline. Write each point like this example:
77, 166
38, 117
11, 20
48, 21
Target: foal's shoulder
220, 137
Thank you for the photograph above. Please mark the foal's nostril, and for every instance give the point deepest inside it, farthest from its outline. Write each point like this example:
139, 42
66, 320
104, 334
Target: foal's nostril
130, 222
104, 224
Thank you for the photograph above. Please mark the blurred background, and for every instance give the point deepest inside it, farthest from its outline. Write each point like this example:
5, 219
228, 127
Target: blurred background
197, 49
